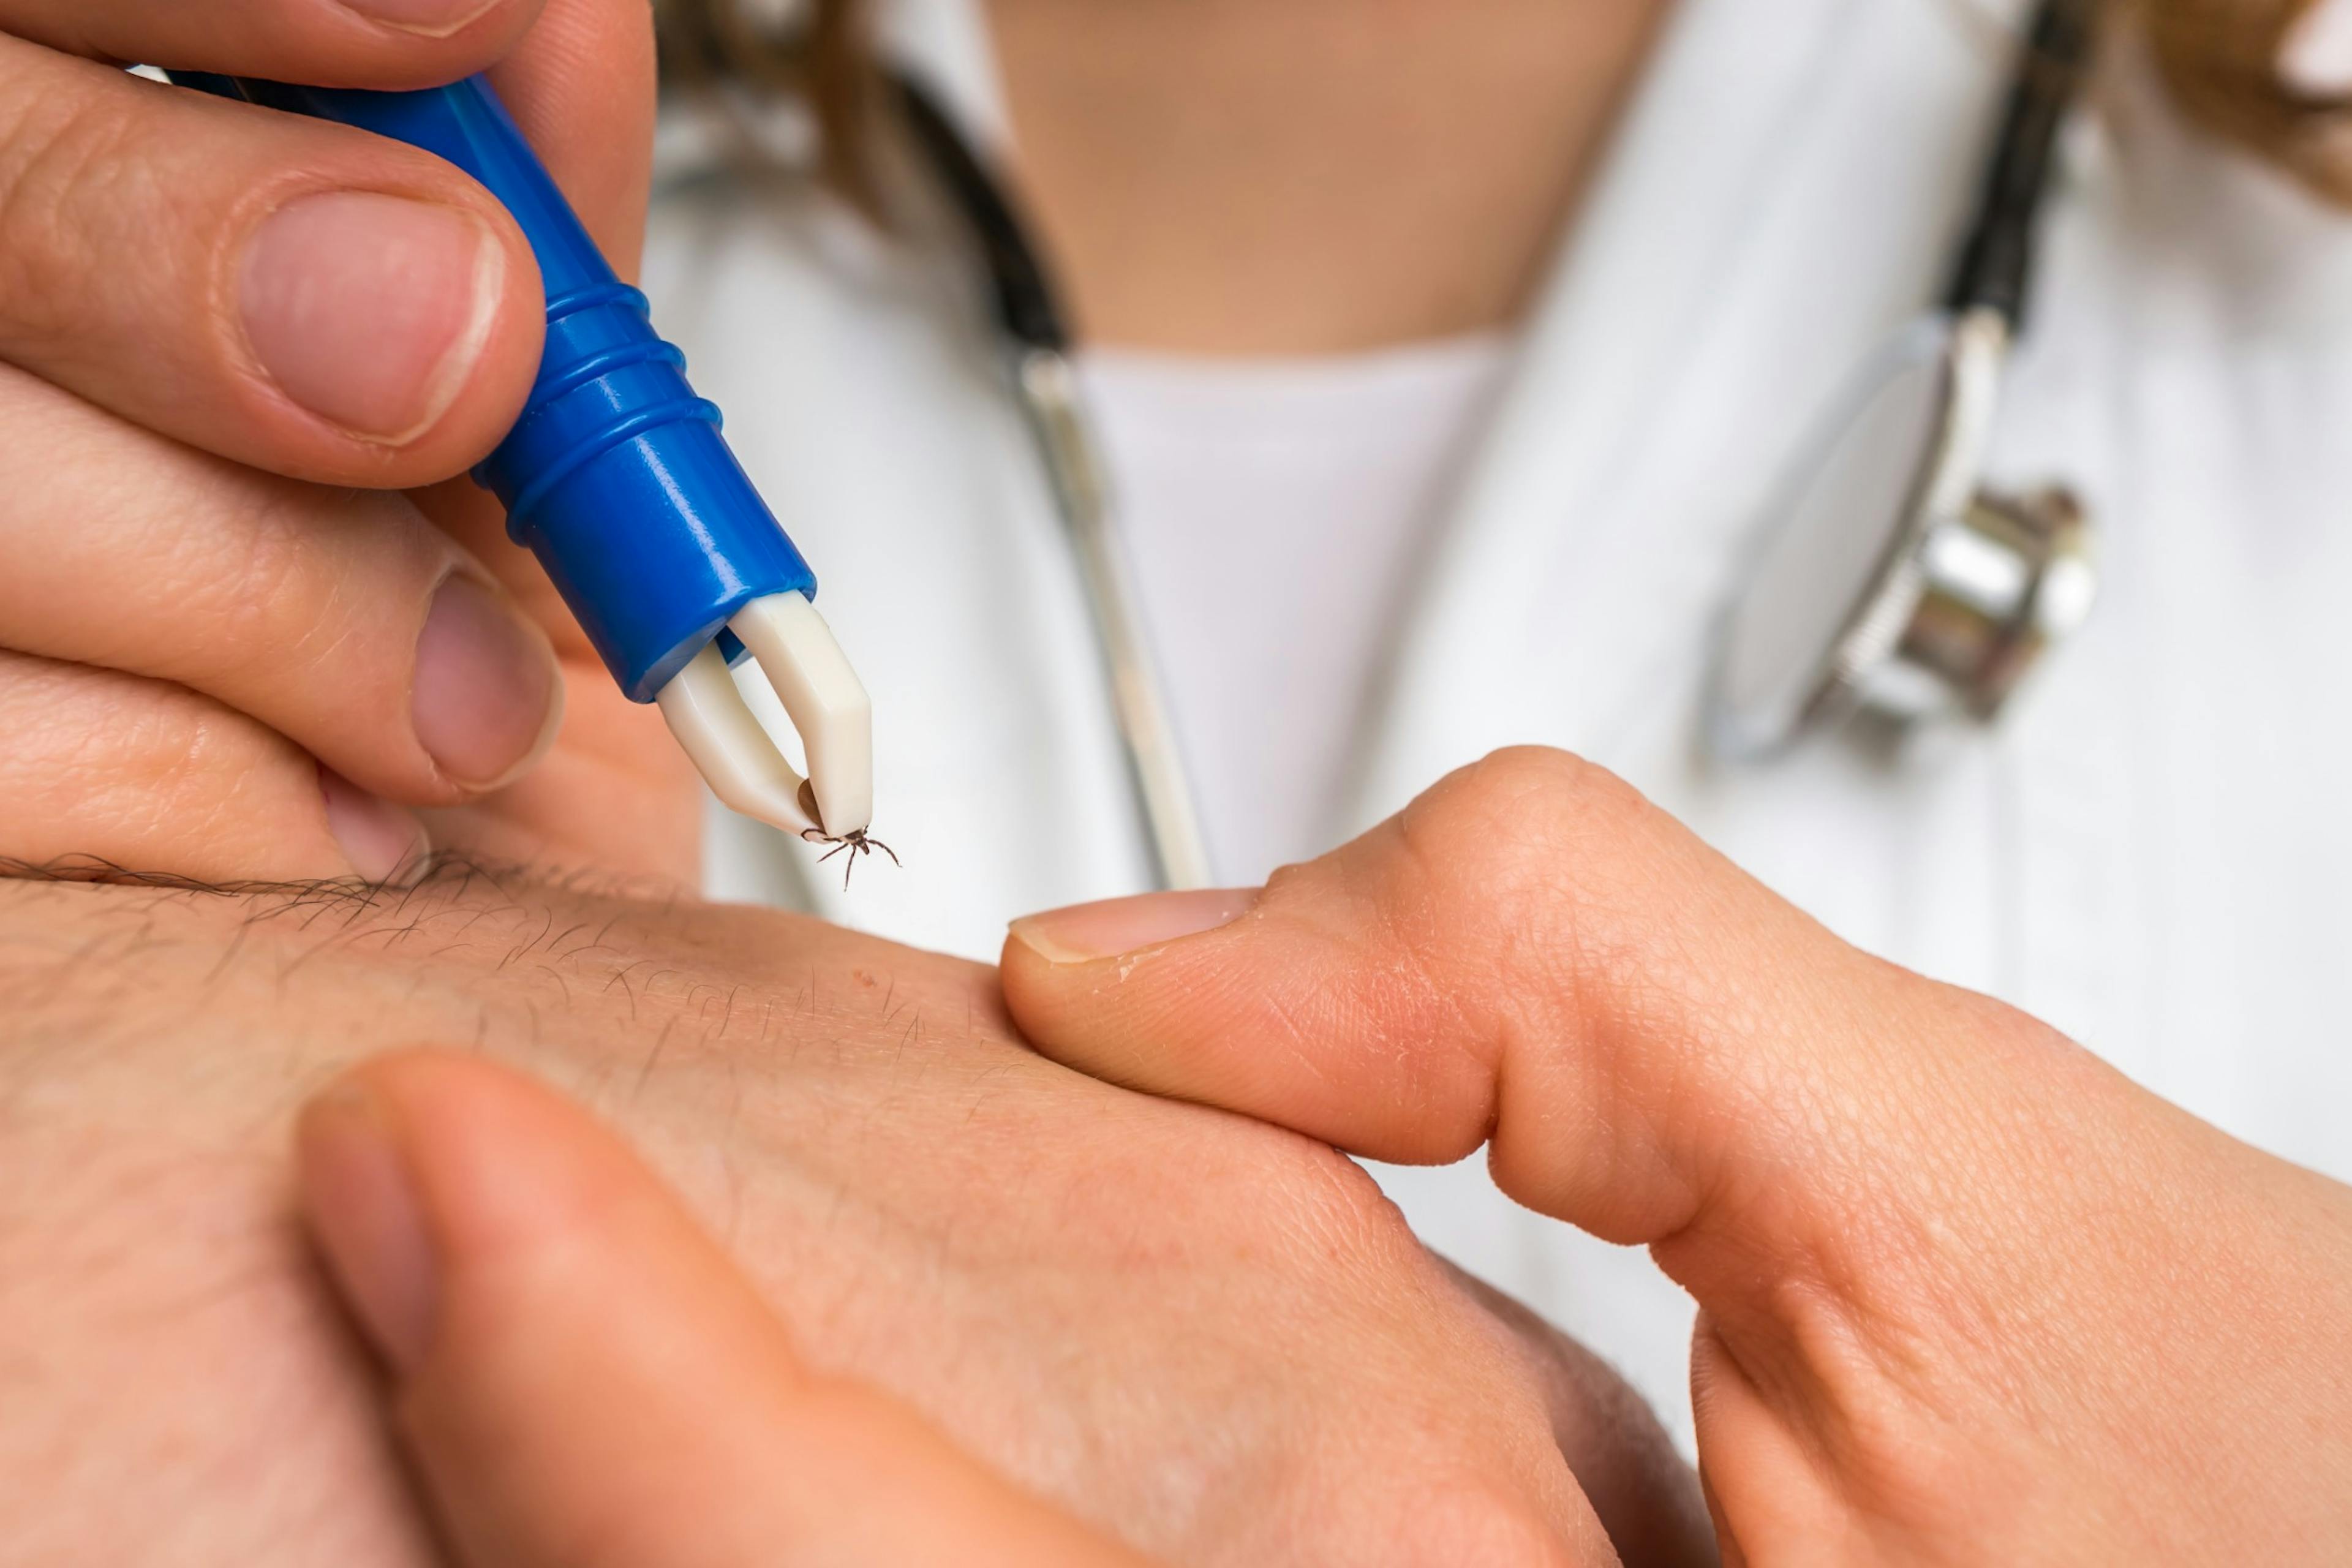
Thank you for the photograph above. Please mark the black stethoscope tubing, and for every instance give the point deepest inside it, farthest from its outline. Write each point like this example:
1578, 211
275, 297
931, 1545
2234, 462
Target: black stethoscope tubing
1996, 256
1027, 305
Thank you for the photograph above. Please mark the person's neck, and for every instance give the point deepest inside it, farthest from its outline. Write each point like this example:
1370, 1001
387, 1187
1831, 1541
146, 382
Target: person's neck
1308, 176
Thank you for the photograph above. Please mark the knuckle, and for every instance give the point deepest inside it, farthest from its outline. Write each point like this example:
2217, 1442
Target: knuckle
1529, 877
168, 743
107, 762
1517, 822
1527, 793
1551, 795
190, 771
296, 590
267, 602
61, 152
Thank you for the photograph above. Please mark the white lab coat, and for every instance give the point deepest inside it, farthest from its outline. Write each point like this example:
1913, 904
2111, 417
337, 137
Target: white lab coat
2152, 851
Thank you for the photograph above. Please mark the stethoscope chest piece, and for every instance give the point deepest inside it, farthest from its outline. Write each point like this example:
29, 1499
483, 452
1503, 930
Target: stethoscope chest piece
1888, 581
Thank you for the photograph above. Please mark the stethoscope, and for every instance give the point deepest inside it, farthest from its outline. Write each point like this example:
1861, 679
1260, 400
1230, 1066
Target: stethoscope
1884, 579
1038, 343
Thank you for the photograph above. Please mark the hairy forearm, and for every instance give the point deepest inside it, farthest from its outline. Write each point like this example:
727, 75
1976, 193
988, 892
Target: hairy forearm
167, 1332
1211, 1336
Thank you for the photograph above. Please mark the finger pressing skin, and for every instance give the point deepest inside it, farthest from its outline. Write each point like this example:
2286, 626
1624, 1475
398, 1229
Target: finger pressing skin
385, 45
581, 1374
1530, 950
340, 619
298, 296
1653, 1047
104, 770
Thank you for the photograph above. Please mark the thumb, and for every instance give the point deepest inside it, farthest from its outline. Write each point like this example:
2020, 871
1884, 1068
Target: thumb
580, 1373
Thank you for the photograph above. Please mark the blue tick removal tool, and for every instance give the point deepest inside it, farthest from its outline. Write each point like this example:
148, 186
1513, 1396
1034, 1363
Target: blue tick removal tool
618, 479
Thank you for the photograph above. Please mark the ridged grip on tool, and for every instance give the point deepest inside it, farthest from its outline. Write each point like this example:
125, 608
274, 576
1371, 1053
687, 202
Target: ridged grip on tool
616, 476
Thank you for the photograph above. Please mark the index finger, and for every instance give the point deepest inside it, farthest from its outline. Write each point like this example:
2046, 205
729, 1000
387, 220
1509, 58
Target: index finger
1534, 957
581, 85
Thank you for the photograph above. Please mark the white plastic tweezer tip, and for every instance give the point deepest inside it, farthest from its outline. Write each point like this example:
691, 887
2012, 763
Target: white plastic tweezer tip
826, 702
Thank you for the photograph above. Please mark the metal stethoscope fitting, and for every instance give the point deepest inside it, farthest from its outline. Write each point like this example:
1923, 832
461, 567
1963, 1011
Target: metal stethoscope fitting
1892, 584
1888, 581
2012, 577
1039, 345
1996, 587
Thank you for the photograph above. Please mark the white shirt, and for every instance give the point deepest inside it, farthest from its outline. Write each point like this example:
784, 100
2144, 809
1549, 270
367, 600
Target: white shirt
1275, 511
2151, 852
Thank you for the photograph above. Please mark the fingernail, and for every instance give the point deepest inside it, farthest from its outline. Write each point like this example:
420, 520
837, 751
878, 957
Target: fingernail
486, 700
2317, 59
371, 310
431, 18
1087, 933
362, 1207
383, 843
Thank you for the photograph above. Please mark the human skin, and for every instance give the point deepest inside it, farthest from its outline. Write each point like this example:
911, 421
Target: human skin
1312, 177
1967, 1295
581, 1374
257, 624
1209, 1337
574, 1364
233, 531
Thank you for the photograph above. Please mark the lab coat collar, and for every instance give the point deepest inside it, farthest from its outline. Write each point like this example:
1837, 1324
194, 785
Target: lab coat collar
1781, 196
1784, 191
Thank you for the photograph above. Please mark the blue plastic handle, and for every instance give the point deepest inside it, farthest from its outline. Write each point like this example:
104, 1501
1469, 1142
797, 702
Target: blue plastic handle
616, 476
